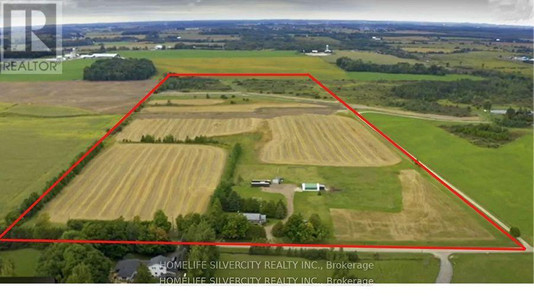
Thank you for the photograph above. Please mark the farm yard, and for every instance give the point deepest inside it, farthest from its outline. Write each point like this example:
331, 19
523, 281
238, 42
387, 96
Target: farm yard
137, 180
324, 140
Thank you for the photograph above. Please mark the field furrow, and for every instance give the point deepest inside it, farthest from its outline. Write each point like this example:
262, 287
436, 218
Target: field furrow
182, 128
325, 141
137, 179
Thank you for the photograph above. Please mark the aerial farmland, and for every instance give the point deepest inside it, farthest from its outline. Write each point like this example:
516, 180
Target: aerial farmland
243, 158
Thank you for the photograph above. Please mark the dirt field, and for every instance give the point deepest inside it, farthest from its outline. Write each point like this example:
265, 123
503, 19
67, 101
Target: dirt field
137, 179
429, 214
325, 141
182, 128
226, 108
193, 102
102, 97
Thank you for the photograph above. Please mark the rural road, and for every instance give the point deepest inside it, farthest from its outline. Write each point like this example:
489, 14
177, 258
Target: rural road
360, 108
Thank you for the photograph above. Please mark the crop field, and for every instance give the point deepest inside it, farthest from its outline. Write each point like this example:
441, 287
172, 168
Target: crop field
507, 169
194, 102
428, 214
35, 149
324, 141
138, 179
209, 61
226, 108
102, 97
182, 128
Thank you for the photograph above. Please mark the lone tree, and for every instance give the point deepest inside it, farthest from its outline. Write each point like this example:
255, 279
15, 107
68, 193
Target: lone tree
143, 275
515, 232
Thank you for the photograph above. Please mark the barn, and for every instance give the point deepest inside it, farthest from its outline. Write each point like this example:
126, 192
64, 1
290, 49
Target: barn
313, 187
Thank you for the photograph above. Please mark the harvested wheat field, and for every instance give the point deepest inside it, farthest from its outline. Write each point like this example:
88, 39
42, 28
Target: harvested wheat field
98, 96
324, 141
138, 179
186, 102
182, 128
429, 214
226, 108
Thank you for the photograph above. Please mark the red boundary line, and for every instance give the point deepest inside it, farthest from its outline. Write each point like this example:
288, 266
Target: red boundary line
360, 116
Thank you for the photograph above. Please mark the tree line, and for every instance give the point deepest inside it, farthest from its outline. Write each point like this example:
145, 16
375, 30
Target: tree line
119, 69
496, 89
85, 263
299, 230
187, 84
486, 135
170, 139
359, 65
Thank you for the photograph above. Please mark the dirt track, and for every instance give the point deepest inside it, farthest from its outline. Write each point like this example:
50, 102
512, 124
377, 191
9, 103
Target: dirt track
288, 190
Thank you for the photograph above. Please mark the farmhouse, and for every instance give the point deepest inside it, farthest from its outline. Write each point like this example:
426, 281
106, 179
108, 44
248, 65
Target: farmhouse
158, 266
100, 55
125, 270
313, 187
256, 218
260, 183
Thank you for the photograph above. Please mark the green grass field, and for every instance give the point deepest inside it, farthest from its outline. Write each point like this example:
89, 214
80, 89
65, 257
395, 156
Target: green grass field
44, 111
72, 70
182, 54
499, 179
389, 268
25, 260
36, 149
493, 268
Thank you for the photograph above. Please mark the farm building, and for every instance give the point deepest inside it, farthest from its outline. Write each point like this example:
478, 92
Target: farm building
260, 183
100, 55
256, 218
278, 180
313, 187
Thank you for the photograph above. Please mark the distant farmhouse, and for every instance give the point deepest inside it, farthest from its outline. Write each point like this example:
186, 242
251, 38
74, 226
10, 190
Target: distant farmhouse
315, 52
73, 55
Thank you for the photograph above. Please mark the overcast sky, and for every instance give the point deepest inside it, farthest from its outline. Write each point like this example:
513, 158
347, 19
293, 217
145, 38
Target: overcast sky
513, 12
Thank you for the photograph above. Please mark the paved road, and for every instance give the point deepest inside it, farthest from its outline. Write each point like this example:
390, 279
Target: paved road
445, 268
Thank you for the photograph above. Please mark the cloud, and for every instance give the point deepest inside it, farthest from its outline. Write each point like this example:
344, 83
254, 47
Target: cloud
513, 11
